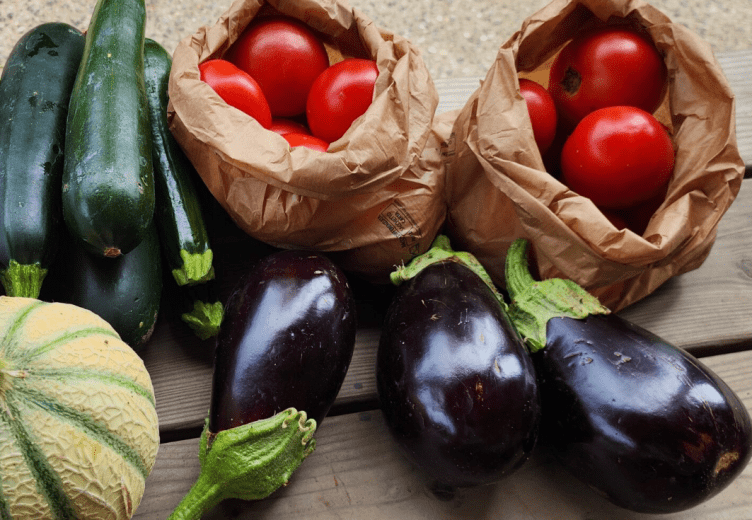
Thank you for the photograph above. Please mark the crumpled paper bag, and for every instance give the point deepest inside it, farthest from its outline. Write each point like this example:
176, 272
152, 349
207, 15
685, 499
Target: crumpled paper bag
498, 189
376, 198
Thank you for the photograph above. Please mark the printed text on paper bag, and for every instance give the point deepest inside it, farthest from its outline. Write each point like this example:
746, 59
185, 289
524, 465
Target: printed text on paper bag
398, 221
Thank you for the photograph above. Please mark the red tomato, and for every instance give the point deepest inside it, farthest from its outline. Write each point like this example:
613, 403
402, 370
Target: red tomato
341, 94
285, 57
542, 112
606, 67
618, 157
285, 126
615, 218
552, 157
638, 217
309, 141
237, 89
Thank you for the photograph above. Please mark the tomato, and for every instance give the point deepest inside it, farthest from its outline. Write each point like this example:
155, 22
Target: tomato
307, 140
285, 57
638, 217
615, 218
542, 112
610, 66
237, 89
341, 94
284, 126
618, 157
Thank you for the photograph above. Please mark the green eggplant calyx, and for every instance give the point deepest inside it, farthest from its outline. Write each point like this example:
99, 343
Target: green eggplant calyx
441, 251
24, 280
534, 303
196, 268
248, 462
205, 318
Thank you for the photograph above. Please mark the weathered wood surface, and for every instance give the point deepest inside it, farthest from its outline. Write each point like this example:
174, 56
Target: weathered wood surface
357, 472
704, 311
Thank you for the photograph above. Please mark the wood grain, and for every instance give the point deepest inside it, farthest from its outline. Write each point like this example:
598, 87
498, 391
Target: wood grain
705, 311
357, 471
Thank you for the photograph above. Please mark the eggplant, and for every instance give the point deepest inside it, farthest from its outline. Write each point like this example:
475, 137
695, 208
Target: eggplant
287, 340
456, 387
281, 356
639, 420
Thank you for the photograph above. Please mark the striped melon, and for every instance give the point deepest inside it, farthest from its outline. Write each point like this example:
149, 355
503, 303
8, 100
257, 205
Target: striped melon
78, 424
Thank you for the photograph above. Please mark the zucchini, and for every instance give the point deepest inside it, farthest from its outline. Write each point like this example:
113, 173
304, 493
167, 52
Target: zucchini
124, 291
180, 222
108, 182
179, 216
35, 88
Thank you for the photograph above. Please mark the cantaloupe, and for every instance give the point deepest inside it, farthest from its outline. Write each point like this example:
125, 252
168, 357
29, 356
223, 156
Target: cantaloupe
78, 424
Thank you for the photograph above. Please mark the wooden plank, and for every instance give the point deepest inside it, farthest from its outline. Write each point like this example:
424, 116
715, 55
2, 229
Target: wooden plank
737, 67
703, 310
357, 471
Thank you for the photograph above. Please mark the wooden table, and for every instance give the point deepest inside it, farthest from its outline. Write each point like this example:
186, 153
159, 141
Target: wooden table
357, 472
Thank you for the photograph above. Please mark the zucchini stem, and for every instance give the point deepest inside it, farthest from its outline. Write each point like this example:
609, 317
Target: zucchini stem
24, 280
534, 303
196, 268
248, 462
205, 318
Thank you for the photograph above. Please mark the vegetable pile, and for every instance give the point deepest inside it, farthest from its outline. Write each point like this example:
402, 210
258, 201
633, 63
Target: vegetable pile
94, 151
641, 421
99, 199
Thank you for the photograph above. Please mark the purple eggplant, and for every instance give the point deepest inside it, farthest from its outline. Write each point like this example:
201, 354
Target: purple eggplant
287, 340
639, 420
281, 355
456, 386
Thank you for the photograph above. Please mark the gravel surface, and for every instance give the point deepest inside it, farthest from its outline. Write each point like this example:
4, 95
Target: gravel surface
457, 38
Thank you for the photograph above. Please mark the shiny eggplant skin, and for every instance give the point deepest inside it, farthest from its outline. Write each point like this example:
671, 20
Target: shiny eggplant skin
456, 386
286, 341
641, 421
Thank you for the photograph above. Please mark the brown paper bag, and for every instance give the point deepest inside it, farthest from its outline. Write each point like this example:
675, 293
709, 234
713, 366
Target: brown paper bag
376, 197
498, 189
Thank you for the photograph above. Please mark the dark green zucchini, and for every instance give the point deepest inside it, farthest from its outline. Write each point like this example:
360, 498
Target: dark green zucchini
180, 221
125, 291
35, 88
178, 214
108, 182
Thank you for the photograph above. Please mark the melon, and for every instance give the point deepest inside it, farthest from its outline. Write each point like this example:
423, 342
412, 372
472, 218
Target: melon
78, 424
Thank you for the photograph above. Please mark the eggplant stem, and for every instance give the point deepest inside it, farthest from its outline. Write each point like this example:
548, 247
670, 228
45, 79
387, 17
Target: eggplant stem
534, 303
248, 462
441, 251
516, 270
202, 496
